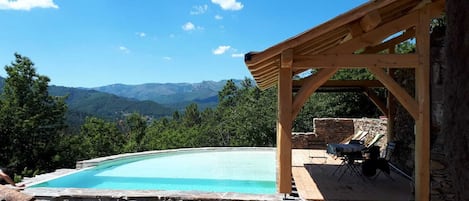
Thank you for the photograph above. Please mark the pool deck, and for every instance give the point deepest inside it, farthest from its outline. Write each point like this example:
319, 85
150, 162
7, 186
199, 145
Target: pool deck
313, 170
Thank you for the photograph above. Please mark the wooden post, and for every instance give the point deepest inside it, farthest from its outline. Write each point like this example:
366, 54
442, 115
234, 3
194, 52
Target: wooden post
391, 104
284, 126
422, 127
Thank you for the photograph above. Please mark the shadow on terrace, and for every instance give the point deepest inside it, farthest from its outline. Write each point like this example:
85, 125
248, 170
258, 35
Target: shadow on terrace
315, 178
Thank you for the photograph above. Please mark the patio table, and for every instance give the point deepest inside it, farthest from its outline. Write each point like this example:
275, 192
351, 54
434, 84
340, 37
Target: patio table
344, 149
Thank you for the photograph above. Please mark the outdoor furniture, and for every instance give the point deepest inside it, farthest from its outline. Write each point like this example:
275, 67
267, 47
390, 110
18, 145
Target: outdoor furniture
382, 164
351, 153
340, 150
359, 136
348, 154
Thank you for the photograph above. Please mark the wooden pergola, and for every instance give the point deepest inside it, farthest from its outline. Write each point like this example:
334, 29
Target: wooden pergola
356, 39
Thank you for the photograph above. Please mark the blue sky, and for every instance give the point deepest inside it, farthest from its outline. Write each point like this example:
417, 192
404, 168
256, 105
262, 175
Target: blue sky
90, 43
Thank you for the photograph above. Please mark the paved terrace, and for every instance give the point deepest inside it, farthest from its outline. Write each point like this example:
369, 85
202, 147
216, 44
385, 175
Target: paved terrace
313, 174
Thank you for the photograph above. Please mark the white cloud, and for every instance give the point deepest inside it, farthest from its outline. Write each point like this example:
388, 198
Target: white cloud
124, 49
167, 58
141, 34
237, 55
221, 49
229, 4
218, 17
26, 4
188, 26
197, 10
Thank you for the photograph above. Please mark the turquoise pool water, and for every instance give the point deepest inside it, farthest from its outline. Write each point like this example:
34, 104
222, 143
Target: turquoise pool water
209, 170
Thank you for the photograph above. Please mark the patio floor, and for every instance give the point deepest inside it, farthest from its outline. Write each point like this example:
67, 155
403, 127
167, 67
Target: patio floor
314, 179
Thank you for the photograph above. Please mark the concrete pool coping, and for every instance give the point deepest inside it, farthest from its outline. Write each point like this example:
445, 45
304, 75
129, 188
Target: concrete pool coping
42, 193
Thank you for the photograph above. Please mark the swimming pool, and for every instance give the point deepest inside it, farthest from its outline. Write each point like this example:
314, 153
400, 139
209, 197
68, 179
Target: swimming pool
250, 171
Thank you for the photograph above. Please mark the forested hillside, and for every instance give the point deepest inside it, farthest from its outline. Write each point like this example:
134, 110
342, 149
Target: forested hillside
84, 102
245, 116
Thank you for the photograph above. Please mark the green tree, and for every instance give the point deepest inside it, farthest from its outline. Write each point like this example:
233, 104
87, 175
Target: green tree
136, 126
191, 116
101, 138
30, 119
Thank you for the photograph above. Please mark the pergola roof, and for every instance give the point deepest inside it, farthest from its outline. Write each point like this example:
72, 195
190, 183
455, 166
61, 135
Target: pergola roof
369, 24
364, 37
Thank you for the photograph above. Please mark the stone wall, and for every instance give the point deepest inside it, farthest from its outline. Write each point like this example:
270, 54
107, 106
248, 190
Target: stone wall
403, 128
373, 127
336, 130
333, 130
441, 186
308, 140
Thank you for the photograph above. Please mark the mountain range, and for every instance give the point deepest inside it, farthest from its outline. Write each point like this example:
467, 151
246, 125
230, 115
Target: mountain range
172, 95
153, 100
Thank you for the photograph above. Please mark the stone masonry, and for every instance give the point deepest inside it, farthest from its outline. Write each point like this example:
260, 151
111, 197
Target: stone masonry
336, 130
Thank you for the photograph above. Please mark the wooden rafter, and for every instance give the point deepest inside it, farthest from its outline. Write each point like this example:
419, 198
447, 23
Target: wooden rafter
410, 33
370, 21
356, 60
376, 35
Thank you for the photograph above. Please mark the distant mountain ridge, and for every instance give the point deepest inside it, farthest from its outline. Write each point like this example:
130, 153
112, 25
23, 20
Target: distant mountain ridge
175, 95
86, 102
154, 100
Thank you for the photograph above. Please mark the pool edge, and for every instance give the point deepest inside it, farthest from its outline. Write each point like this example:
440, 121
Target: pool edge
70, 194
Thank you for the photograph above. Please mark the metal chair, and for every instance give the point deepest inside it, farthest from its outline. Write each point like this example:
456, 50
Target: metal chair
384, 167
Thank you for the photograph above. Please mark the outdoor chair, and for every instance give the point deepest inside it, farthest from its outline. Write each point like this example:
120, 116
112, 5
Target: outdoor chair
351, 160
383, 162
357, 137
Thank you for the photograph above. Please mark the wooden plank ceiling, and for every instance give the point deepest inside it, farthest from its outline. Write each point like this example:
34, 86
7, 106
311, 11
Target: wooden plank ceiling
368, 29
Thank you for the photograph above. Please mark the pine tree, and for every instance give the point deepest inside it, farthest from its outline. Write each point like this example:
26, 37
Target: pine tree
30, 119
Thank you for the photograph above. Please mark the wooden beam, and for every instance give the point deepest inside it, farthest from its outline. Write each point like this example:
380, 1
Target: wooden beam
344, 83
355, 60
286, 58
341, 20
254, 59
311, 84
422, 127
355, 29
285, 121
402, 96
409, 33
375, 99
370, 21
376, 35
